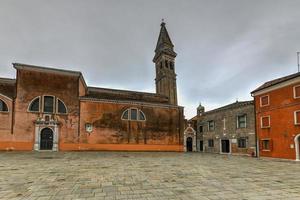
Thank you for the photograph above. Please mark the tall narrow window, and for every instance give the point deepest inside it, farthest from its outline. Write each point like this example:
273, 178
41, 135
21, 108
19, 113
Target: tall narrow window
266, 144
166, 64
297, 117
211, 125
171, 65
200, 129
241, 121
35, 105
133, 114
210, 143
297, 91
48, 104
61, 108
265, 122
3, 106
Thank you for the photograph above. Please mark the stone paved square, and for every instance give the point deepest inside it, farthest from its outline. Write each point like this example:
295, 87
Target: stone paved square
145, 175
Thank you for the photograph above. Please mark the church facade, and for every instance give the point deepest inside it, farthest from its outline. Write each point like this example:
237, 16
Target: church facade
53, 109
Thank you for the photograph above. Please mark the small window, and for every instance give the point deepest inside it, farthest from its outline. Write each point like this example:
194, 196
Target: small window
241, 121
297, 91
264, 100
211, 125
210, 143
297, 117
242, 143
133, 114
200, 129
266, 145
35, 105
61, 108
265, 122
3, 106
166, 64
48, 104
171, 65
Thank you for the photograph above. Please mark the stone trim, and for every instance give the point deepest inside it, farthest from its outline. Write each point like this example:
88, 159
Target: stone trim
129, 102
38, 129
189, 132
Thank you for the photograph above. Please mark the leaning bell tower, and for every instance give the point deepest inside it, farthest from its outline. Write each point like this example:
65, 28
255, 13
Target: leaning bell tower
164, 60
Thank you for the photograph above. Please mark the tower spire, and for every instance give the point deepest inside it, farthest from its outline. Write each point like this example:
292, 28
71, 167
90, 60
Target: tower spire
164, 60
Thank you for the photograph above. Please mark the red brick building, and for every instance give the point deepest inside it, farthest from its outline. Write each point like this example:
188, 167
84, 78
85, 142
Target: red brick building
54, 109
277, 107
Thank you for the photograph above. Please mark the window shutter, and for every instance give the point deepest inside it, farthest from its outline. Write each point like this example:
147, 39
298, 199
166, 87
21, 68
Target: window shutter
271, 145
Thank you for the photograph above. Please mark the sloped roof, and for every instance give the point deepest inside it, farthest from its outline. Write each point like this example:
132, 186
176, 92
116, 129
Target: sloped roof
276, 81
115, 94
236, 104
8, 87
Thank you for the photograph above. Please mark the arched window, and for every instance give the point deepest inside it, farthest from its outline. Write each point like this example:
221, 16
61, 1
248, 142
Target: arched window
3, 106
49, 104
133, 114
35, 105
61, 108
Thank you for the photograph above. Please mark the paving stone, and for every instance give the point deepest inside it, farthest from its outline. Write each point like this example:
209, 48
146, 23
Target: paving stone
144, 175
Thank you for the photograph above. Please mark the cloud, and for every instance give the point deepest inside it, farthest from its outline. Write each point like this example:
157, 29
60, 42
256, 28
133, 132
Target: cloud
225, 48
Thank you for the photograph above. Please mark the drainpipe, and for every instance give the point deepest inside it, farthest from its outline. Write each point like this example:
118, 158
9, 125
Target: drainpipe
255, 129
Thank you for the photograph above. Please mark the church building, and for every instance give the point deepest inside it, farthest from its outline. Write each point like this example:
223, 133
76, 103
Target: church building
54, 109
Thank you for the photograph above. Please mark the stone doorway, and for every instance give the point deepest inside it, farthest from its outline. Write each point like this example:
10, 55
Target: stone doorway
46, 135
46, 142
189, 139
201, 145
225, 146
189, 144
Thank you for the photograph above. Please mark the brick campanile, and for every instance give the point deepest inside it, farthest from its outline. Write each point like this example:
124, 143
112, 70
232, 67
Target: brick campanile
164, 60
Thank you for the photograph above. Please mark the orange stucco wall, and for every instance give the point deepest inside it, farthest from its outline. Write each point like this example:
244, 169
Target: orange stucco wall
282, 131
162, 129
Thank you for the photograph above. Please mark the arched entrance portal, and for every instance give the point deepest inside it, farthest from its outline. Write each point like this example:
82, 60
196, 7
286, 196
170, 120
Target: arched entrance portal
297, 147
189, 139
189, 144
46, 139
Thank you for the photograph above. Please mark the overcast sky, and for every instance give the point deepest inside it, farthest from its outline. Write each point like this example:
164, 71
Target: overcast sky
226, 48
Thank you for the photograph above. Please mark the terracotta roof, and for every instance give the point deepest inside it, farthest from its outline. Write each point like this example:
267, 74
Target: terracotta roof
193, 118
276, 81
236, 104
115, 94
8, 87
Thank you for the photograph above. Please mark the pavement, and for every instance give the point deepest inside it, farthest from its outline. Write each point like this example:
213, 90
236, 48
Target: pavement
145, 175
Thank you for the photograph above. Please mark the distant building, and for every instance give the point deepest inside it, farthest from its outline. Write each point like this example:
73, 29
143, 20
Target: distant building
229, 129
53, 109
277, 105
